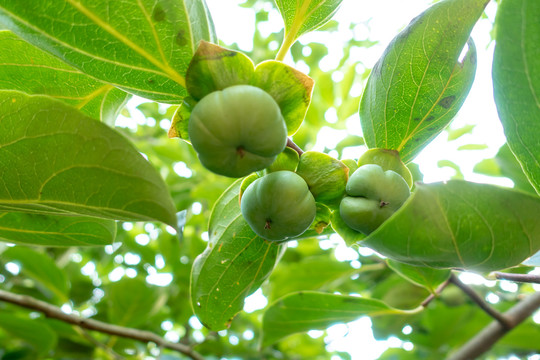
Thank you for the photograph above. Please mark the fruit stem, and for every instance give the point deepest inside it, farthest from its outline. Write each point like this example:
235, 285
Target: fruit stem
295, 147
240, 151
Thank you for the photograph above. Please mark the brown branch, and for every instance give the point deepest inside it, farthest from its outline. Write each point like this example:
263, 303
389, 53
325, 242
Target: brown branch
295, 147
527, 278
54, 312
485, 339
439, 289
480, 302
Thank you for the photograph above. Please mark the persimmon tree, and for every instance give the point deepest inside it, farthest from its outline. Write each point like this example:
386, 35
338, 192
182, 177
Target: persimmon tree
216, 191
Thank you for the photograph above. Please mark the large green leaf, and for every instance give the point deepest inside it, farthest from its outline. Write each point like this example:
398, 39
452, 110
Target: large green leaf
308, 310
302, 16
132, 301
461, 225
143, 47
516, 81
28, 69
48, 230
40, 336
420, 83
55, 160
50, 279
311, 273
233, 266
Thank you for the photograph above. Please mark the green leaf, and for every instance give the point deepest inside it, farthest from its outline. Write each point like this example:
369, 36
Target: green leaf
304, 16
423, 276
233, 266
28, 69
304, 311
420, 83
38, 266
516, 81
133, 301
180, 120
473, 147
325, 176
350, 236
461, 225
143, 47
58, 161
46, 230
40, 336
311, 273
505, 164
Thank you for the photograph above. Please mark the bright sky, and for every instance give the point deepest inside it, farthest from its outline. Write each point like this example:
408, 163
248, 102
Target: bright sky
236, 24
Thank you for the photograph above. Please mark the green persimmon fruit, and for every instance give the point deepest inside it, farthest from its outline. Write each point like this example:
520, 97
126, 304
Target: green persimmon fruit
278, 206
237, 131
373, 195
387, 159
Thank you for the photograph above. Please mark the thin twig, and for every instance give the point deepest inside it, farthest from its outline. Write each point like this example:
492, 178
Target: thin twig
438, 290
527, 278
480, 302
486, 338
91, 324
295, 147
98, 344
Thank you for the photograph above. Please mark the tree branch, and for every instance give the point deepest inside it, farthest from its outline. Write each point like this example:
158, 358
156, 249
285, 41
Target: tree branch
90, 324
481, 302
431, 297
486, 338
528, 278
295, 147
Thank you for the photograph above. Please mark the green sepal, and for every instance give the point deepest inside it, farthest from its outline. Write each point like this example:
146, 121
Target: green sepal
214, 68
322, 219
290, 88
245, 183
387, 159
286, 160
325, 176
351, 164
180, 120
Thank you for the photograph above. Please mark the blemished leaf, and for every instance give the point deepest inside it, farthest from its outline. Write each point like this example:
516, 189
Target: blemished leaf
420, 82
461, 225
308, 310
302, 16
26, 68
50, 230
325, 176
50, 279
233, 266
55, 160
142, 47
133, 301
516, 81
423, 276
40, 336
